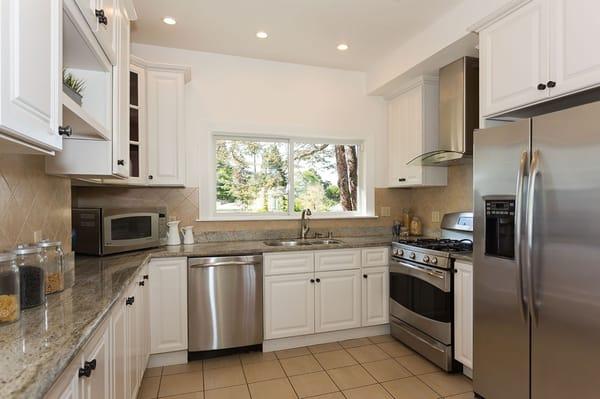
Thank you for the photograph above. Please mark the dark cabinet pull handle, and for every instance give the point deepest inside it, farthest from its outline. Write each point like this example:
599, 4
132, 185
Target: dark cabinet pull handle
65, 131
365, 276
101, 17
318, 280
145, 277
84, 371
141, 283
541, 86
91, 364
130, 300
551, 84
402, 179
150, 177
121, 162
312, 280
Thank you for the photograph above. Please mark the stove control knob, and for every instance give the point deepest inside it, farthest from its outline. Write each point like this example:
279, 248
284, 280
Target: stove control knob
395, 252
425, 258
434, 260
412, 255
400, 252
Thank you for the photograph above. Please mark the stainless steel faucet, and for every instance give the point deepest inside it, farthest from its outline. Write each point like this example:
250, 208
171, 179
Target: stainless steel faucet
304, 229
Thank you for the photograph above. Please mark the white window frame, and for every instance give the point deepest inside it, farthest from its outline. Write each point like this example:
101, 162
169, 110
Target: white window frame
208, 199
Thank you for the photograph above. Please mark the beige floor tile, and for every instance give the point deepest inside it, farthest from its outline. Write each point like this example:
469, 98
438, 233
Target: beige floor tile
236, 392
313, 384
300, 365
417, 364
351, 377
272, 389
192, 395
379, 339
332, 346
369, 392
149, 388
409, 388
223, 377
263, 371
468, 395
177, 384
153, 372
447, 384
353, 343
222, 361
368, 353
335, 395
191, 367
256, 357
386, 370
286, 354
334, 359
395, 349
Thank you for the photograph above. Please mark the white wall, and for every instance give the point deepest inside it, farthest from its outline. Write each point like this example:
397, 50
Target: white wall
236, 94
443, 32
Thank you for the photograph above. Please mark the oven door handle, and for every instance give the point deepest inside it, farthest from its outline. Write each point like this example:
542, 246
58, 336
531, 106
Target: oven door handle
435, 277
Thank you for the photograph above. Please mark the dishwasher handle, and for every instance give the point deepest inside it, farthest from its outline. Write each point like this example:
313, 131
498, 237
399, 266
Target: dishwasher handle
225, 261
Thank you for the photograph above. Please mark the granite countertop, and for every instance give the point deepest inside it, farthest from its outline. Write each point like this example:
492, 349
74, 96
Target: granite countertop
465, 256
36, 349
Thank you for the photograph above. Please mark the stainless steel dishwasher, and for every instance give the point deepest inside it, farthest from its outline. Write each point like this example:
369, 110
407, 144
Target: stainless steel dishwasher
224, 302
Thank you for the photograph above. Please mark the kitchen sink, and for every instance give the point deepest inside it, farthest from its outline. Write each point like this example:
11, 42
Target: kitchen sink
301, 242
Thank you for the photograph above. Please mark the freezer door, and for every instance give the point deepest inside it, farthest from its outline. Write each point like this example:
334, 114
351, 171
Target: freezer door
566, 254
501, 322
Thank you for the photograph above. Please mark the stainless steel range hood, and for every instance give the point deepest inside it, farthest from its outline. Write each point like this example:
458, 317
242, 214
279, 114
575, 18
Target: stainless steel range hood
459, 114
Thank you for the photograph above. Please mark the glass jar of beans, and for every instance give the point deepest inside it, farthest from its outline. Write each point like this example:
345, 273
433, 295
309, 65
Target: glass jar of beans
52, 254
9, 288
32, 275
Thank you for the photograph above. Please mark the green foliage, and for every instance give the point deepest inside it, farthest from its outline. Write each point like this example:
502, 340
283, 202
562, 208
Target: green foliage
77, 85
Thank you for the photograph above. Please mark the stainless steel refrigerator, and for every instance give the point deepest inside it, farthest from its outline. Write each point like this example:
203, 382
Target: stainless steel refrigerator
537, 257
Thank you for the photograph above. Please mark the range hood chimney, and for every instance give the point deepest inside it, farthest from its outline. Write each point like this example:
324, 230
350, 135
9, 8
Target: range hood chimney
459, 114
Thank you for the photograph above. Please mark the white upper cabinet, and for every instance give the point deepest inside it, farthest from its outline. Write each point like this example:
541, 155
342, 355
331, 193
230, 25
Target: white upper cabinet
538, 52
165, 123
412, 131
100, 15
30, 74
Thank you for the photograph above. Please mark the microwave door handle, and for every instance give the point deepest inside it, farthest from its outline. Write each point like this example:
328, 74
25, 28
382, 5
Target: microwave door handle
519, 203
535, 172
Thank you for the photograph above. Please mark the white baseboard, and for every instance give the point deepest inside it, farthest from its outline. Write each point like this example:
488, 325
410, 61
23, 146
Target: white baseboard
324, 338
168, 359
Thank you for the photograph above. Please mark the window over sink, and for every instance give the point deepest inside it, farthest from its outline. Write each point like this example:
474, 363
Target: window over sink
278, 177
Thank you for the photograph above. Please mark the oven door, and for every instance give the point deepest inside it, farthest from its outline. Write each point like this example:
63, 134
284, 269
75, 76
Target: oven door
421, 296
129, 231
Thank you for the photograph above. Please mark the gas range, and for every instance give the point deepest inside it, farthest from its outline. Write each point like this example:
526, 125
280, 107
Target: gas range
430, 251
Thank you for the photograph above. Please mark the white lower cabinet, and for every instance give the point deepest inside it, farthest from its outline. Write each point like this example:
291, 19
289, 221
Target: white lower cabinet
463, 313
97, 359
375, 295
119, 320
319, 300
337, 300
289, 307
168, 305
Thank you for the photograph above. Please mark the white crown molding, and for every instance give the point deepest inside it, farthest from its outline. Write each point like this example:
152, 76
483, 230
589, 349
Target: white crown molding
145, 64
496, 15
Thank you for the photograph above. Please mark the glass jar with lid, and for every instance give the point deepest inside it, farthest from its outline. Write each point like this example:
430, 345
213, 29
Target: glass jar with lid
9, 288
52, 254
32, 275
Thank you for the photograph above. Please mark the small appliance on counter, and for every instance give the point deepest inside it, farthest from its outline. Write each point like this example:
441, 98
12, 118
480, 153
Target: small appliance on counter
104, 231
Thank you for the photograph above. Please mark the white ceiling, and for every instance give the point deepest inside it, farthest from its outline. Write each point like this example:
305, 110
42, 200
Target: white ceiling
300, 31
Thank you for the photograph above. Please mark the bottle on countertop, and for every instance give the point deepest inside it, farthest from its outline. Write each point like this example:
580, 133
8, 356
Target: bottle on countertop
416, 226
9, 288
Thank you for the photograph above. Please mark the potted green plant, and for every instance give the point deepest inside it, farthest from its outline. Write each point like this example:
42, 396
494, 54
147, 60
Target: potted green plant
73, 87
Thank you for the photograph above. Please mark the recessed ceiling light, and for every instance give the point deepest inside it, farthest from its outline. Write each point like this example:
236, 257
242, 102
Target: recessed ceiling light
169, 20
262, 35
342, 47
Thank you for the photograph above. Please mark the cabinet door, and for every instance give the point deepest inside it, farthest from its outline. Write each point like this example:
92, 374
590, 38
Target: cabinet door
337, 300
30, 71
107, 30
289, 305
514, 59
120, 139
337, 259
289, 263
168, 305
463, 313
98, 384
166, 135
574, 59
375, 257
132, 340
120, 351
88, 9
375, 296
142, 323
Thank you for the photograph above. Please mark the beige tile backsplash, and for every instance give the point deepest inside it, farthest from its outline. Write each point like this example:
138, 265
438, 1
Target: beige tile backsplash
182, 203
32, 201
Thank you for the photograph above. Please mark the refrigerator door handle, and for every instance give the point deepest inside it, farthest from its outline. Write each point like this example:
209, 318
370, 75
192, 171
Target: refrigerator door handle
535, 172
520, 201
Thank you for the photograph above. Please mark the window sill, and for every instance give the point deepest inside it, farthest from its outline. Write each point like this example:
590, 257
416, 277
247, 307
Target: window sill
249, 218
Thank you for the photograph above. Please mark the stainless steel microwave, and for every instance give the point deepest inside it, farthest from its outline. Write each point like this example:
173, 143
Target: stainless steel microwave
103, 231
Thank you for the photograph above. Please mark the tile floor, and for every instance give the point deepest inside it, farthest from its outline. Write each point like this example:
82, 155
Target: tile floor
366, 368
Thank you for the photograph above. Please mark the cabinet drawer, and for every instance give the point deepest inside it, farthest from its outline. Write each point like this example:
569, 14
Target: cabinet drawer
289, 263
375, 257
337, 259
